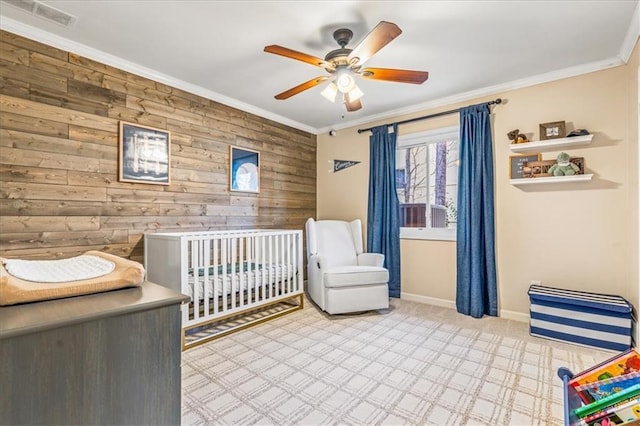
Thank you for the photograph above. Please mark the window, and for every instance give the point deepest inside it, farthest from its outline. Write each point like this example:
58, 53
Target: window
427, 183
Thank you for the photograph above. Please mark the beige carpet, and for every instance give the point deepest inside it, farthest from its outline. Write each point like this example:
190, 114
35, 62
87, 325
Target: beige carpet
412, 364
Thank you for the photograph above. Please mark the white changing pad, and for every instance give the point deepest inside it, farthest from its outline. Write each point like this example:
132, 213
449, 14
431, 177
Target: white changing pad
63, 270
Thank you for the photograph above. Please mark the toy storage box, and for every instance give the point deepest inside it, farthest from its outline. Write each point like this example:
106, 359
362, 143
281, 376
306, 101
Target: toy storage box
589, 319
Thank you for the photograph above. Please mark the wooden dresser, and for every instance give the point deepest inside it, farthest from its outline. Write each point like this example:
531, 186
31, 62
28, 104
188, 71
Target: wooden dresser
107, 358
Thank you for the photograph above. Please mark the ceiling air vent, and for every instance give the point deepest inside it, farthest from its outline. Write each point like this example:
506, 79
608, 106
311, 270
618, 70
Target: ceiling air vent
28, 5
44, 11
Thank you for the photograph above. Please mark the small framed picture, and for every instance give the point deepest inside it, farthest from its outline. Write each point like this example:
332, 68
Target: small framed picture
144, 155
552, 130
518, 165
244, 173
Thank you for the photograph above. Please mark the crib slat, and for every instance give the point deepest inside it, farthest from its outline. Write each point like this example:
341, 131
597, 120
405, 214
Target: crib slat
279, 260
251, 275
223, 262
231, 270
299, 269
184, 277
206, 261
288, 262
193, 250
290, 257
216, 283
263, 262
240, 275
271, 286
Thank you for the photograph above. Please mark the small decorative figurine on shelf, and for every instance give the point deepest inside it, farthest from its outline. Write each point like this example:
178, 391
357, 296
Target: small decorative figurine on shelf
563, 166
516, 137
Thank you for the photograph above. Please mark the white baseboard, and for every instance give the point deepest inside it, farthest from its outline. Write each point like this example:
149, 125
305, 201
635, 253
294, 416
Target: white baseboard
428, 300
506, 314
515, 316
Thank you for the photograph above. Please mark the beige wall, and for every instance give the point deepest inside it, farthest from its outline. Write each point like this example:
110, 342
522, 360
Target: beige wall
634, 164
571, 235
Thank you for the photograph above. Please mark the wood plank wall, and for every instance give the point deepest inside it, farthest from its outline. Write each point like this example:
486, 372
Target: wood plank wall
59, 189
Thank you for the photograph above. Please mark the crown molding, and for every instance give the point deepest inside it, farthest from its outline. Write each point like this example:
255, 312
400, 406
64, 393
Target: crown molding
630, 40
62, 43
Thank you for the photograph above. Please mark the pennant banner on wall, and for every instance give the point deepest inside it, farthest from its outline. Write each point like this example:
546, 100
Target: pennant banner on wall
343, 164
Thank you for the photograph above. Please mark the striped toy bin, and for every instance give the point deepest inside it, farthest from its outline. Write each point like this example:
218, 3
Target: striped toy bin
589, 319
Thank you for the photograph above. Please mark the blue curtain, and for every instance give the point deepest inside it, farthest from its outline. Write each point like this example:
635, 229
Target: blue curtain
383, 225
476, 267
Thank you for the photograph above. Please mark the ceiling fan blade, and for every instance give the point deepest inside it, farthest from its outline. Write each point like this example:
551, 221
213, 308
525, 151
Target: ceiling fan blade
294, 54
301, 88
400, 76
377, 38
352, 105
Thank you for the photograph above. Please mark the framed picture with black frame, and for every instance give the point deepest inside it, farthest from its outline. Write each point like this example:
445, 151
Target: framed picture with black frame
144, 154
244, 175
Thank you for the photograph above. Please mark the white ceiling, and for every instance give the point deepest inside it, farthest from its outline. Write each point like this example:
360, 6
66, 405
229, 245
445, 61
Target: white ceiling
215, 48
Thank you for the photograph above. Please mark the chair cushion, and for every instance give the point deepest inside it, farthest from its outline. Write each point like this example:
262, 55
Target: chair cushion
335, 243
349, 276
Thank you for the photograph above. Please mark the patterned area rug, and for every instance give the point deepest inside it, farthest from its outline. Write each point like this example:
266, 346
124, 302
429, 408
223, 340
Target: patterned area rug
412, 364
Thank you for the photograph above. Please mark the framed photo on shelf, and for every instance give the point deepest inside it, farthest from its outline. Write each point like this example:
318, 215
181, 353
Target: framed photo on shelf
517, 164
144, 154
244, 175
552, 130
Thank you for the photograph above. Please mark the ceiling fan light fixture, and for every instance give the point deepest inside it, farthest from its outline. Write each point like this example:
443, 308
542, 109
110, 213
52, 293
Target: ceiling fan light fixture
345, 81
330, 92
355, 93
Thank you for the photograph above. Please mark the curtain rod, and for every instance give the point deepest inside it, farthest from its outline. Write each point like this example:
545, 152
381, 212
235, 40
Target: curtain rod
453, 111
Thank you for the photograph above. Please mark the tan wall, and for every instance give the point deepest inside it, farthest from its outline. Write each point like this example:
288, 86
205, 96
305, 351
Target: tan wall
59, 188
424, 263
574, 235
342, 195
634, 164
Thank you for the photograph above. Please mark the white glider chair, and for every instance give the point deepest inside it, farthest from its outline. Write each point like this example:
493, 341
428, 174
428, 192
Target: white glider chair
341, 278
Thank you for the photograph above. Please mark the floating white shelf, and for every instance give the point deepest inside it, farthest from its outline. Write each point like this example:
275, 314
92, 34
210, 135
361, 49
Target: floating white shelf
550, 179
551, 144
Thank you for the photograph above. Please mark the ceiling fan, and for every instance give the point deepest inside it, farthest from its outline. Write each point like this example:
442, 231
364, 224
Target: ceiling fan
344, 63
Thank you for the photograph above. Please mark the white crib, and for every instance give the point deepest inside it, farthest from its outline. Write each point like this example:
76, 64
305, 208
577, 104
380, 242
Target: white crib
237, 277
